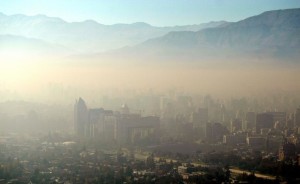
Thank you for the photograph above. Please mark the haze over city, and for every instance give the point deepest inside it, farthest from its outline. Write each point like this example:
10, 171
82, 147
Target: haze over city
153, 91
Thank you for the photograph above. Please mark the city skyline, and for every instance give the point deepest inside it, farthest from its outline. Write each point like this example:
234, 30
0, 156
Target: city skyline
101, 102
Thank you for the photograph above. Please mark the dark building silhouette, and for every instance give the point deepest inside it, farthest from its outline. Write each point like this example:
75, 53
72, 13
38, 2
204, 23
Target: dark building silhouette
215, 132
257, 142
279, 118
264, 121
130, 128
290, 121
250, 120
80, 117
236, 125
287, 151
235, 138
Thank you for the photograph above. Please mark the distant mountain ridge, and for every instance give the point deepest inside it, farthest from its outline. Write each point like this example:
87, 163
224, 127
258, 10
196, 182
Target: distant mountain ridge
88, 36
273, 33
17, 44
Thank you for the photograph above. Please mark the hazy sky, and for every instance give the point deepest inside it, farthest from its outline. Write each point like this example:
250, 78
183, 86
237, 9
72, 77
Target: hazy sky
155, 12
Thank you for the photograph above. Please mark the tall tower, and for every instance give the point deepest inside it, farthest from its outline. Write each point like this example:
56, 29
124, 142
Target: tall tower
80, 117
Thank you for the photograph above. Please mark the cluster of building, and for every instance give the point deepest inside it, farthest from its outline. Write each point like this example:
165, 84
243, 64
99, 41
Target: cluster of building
121, 126
42, 160
275, 132
215, 130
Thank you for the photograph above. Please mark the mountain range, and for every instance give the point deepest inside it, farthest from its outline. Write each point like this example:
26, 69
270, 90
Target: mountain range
272, 34
88, 36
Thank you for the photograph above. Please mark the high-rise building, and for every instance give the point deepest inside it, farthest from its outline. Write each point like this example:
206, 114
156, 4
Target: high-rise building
290, 121
122, 127
236, 125
80, 117
250, 120
215, 132
264, 121
287, 151
199, 118
95, 121
235, 138
279, 118
132, 127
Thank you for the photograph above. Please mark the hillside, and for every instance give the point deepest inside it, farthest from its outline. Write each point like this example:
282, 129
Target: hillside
88, 36
270, 34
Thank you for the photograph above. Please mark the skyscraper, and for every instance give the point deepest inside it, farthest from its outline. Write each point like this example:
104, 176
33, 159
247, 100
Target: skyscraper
279, 118
264, 121
80, 117
215, 132
236, 125
199, 118
250, 120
